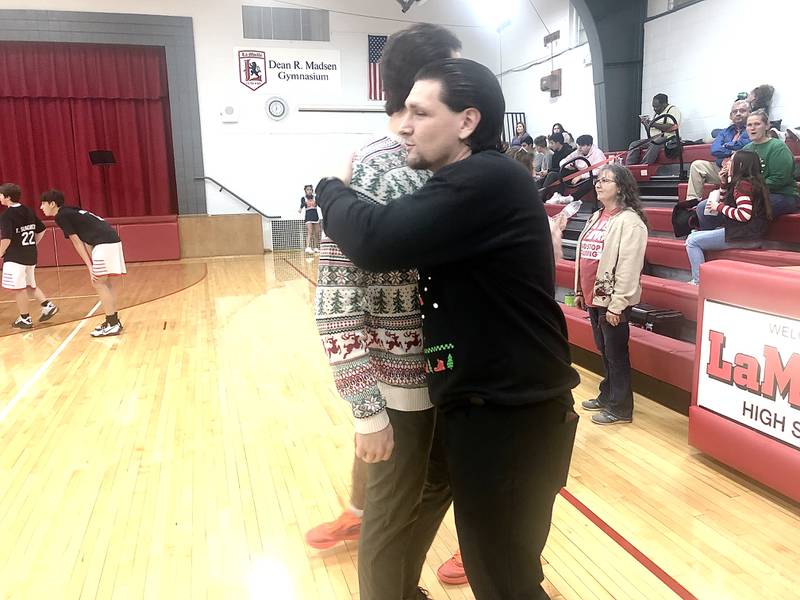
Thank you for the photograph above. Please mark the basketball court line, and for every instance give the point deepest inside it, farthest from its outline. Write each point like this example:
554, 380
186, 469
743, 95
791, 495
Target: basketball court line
56, 298
35, 377
614, 535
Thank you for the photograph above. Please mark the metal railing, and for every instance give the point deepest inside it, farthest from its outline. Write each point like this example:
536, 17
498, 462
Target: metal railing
235, 195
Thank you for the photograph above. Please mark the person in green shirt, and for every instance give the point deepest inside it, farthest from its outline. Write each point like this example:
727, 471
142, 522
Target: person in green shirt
777, 165
777, 168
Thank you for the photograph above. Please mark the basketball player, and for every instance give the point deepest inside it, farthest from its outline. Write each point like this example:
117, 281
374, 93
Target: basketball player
21, 230
99, 247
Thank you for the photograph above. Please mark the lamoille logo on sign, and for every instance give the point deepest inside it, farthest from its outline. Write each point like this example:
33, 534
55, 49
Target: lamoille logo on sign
750, 369
252, 68
279, 70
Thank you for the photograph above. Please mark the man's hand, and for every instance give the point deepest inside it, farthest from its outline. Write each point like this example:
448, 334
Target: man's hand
375, 447
580, 302
92, 275
612, 319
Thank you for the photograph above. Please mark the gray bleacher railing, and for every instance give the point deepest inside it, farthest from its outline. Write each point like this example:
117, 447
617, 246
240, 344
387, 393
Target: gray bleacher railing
235, 195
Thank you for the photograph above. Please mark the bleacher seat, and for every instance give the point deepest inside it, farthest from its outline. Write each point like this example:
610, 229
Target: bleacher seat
657, 356
664, 293
672, 253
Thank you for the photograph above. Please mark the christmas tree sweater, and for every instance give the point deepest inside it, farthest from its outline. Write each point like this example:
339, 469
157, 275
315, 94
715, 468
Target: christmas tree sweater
493, 331
370, 323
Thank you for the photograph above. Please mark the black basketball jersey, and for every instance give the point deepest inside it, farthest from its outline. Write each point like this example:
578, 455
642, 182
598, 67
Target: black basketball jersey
19, 224
90, 228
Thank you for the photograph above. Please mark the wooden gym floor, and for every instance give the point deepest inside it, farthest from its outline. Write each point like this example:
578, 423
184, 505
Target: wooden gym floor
187, 457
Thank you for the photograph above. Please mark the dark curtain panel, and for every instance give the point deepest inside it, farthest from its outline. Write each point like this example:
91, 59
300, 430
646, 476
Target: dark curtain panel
68, 99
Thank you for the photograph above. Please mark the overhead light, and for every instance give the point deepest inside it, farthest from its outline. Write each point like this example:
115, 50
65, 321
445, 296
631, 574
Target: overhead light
406, 4
496, 15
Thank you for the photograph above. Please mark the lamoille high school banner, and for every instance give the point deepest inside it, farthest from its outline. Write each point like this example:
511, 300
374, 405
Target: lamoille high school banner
281, 70
750, 369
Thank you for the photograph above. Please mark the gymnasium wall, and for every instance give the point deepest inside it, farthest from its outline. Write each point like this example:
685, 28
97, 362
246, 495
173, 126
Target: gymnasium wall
264, 161
704, 54
522, 44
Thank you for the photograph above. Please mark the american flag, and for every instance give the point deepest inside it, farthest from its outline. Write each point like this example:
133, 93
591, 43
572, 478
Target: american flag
375, 50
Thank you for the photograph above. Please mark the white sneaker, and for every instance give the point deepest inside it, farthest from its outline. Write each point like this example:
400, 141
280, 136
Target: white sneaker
316, 250
694, 282
23, 323
48, 312
106, 329
309, 250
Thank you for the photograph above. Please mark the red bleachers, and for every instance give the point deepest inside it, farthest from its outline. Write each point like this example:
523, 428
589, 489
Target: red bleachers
664, 293
662, 358
783, 229
672, 253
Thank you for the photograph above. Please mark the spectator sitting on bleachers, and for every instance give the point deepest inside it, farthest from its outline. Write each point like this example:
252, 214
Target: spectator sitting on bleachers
590, 152
760, 98
777, 168
728, 141
745, 210
559, 128
524, 157
659, 131
560, 151
522, 138
541, 157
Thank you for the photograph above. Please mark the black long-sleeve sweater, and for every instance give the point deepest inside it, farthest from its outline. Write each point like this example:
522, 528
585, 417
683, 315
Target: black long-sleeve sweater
482, 245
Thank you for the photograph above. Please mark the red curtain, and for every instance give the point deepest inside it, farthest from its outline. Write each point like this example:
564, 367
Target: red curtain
62, 100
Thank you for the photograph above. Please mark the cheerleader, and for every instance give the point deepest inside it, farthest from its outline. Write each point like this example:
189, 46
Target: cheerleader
312, 215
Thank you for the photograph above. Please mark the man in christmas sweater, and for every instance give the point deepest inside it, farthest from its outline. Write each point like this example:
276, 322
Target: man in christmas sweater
371, 328
500, 372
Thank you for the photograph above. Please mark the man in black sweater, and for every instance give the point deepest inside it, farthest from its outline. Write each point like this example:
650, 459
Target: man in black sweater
499, 368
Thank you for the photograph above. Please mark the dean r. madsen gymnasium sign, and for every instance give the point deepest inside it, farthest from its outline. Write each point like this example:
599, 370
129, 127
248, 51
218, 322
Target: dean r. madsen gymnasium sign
303, 70
290, 69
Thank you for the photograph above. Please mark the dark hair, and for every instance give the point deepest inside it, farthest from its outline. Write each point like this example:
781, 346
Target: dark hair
746, 166
628, 188
468, 84
55, 196
12, 190
663, 98
560, 128
405, 53
540, 140
762, 97
585, 140
308, 186
556, 137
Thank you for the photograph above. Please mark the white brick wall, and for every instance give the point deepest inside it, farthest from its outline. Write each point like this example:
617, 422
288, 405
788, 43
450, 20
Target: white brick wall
703, 55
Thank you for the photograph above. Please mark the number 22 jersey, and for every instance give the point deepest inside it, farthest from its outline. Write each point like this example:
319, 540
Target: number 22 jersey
19, 224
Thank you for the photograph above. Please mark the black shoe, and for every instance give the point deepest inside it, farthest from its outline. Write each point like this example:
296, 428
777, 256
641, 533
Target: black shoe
592, 404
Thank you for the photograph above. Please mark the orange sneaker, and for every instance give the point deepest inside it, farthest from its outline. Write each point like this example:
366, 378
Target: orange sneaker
346, 527
452, 571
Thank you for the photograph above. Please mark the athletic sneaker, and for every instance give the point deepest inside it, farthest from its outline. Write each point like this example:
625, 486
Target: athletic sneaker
106, 329
592, 404
48, 312
309, 250
23, 323
316, 250
451, 571
346, 527
606, 418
